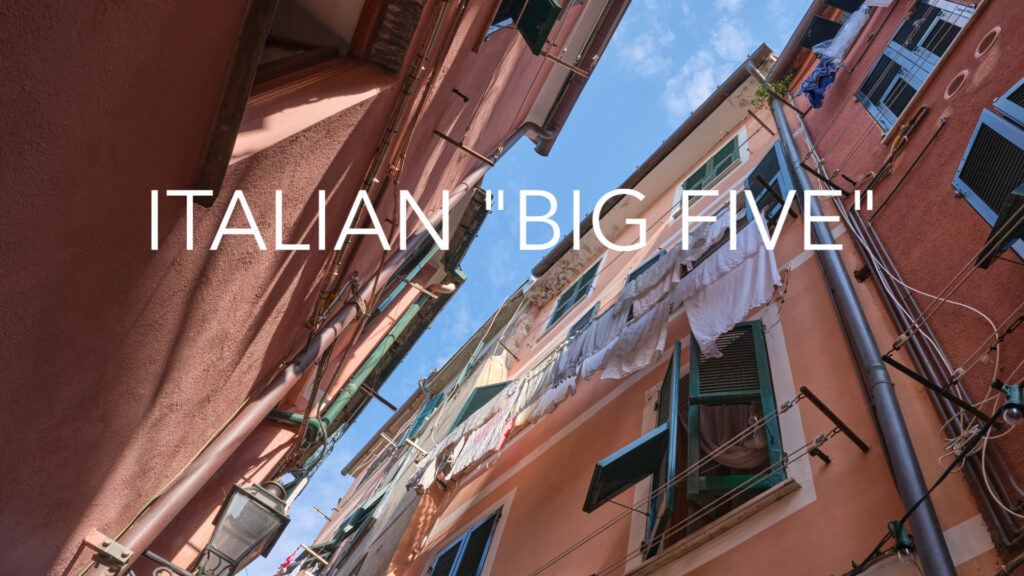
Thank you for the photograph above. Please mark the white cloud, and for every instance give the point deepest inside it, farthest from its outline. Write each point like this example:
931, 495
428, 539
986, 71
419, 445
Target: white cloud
729, 5
694, 82
731, 41
647, 54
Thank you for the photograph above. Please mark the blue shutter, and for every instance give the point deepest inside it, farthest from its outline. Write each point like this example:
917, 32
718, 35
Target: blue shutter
1011, 104
741, 376
774, 171
651, 454
465, 557
421, 418
992, 168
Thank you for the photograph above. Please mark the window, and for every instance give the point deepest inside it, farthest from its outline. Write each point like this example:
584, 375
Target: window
576, 291
533, 18
724, 397
466, 556
910, 57
992, 168
481, 395
772, 169
726, 158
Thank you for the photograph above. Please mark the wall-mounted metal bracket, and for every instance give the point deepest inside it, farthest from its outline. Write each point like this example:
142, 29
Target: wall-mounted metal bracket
572, 68
464, 148
108, 551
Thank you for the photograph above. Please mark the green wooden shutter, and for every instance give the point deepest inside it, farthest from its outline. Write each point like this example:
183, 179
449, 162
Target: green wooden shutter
661, 506
538, 19
741, 376
421, 418
576, 291
724, 158
651, 454
480, 396
774, 171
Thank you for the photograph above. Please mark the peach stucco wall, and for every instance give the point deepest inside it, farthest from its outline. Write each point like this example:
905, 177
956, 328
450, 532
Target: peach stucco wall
541, 477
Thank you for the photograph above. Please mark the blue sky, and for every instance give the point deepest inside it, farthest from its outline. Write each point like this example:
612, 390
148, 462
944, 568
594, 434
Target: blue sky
665, 58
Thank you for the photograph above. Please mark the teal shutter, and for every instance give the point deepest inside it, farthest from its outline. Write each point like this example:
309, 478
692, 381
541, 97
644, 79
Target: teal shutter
651, 454
576, 291
421, 418
538, 19
741, 376
662, 506
717, 165
480, 396
584, 320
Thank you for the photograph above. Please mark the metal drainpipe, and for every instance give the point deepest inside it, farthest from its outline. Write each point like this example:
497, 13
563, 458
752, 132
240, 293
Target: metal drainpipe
931, 545
141, 534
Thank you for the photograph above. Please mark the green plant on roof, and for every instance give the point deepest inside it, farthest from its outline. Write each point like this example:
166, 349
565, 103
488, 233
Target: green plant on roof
765, 92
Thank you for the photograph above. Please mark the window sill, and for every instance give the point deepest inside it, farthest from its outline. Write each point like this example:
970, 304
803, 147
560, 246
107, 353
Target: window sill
716, 528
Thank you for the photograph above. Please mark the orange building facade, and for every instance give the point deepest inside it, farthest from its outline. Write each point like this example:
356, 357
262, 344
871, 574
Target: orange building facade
727, 411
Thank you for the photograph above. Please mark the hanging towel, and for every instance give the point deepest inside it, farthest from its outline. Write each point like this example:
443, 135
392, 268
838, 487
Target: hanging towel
648, 288
815, 86
552, 397
487, 438
533, 387
569, 360
717, 265
601, 336
702, 237
718, 306
640, 344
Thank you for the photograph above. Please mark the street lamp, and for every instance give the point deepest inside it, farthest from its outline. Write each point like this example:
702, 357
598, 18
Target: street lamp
247, 525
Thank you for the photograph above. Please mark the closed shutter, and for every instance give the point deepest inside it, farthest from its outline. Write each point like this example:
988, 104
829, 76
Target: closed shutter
576, 291
480, 396
1012, 103
651, 454
446, 561
740, 376
475, 549
994, 163
538, 19
990, 171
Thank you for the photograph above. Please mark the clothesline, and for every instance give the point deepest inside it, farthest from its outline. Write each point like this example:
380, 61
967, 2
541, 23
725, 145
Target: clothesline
720, 289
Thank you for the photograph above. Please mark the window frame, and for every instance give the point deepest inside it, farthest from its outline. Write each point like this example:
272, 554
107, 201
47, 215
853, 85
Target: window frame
1015, 135
461, 542
916, 66
573, 286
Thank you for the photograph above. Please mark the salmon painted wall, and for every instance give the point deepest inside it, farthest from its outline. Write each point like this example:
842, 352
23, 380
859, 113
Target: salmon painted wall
928, 230
113, 349
837, 515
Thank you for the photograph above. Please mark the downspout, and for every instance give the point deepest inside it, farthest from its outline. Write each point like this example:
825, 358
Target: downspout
148, 526
931, 545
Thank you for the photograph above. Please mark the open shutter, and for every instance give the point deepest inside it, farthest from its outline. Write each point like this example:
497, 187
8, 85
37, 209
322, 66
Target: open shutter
651, 454
475, 549
740, 376
538, 19
774, 171
663, 504
421, 418
480, 396
913, 29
